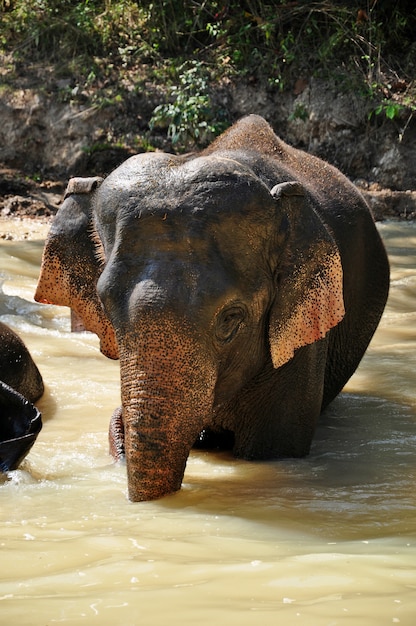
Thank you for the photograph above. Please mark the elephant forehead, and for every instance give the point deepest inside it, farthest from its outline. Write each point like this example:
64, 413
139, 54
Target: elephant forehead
142, 165
213, 168
208, 184
150, 169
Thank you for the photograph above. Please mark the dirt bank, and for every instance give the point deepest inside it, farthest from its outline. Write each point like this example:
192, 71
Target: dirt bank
45, 139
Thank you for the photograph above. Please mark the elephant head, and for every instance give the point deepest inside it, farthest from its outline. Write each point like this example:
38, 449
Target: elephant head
211, 276
17, 367
21, 384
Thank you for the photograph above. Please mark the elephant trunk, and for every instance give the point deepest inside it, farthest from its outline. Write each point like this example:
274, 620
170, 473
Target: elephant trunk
167, 394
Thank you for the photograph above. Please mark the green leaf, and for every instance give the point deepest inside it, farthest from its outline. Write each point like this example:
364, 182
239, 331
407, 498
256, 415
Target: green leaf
392, 111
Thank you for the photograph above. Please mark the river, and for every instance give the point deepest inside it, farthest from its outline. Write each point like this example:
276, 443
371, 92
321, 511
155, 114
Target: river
326, 540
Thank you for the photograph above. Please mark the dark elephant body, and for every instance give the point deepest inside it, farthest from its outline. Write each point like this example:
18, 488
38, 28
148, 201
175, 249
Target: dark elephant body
243, 286
20, 424
21, 384
17, 368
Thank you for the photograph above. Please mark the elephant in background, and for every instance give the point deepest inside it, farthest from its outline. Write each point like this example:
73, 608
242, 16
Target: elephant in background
240, 288
21, 384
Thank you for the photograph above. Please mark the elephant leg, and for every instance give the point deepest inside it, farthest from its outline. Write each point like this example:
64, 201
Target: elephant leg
116, 435
275, 416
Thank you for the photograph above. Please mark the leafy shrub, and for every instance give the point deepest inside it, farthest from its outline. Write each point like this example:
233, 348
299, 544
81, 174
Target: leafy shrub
368, 41
253, 35
189, 116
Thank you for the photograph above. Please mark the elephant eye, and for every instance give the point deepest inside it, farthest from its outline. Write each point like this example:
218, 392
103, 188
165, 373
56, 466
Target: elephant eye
228, 323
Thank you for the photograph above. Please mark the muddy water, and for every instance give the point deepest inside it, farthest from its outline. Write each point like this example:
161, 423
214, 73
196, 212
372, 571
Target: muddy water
327, 540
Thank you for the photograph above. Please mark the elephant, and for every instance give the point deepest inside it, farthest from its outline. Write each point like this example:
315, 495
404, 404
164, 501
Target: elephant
239, 287
21, 384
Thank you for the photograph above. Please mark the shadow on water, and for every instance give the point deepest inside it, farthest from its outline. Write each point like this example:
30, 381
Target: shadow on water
357, 482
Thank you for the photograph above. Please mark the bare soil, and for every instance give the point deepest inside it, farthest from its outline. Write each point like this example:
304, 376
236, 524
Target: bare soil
45, 140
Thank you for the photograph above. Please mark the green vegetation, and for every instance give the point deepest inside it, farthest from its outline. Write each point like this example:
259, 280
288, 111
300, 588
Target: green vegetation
190, 116
185, 45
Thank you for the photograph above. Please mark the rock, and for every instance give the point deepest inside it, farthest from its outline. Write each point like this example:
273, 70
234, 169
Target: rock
386, 203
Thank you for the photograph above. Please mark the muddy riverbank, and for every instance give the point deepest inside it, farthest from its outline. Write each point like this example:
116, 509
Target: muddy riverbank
45, 138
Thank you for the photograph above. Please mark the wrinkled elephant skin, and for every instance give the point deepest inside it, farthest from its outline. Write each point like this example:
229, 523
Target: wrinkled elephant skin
240, 288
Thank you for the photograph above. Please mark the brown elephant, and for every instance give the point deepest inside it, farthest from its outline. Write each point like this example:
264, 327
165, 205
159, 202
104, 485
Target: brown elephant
240, 287
21, 384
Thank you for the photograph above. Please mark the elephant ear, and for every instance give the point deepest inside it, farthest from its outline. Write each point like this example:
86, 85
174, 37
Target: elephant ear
70, 265
309, 300
79, 185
